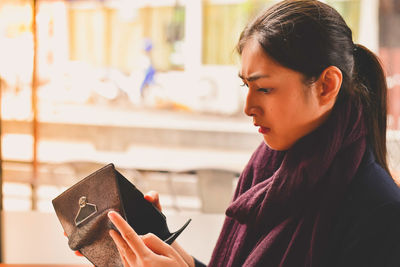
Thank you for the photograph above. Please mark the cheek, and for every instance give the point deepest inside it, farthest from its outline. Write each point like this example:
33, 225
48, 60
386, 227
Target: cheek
287, 109
292, 115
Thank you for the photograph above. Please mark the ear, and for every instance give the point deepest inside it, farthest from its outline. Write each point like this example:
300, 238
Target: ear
330, 82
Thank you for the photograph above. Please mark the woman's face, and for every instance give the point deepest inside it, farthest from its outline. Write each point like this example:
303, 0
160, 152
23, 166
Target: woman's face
283, 107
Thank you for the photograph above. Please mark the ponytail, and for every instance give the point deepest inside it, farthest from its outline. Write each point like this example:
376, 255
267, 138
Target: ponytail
371, 83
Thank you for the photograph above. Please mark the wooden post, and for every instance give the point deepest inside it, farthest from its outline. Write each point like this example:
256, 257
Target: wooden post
34, 108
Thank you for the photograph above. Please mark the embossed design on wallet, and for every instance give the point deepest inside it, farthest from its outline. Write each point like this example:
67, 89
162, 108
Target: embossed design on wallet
86, 210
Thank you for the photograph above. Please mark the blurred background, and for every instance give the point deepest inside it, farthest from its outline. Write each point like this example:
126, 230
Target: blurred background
149, 85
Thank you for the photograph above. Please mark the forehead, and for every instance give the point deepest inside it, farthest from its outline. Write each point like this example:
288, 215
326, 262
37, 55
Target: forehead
256, 63
255, 60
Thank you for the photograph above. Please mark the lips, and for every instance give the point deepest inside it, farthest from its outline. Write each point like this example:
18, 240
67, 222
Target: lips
264, 130
261, 129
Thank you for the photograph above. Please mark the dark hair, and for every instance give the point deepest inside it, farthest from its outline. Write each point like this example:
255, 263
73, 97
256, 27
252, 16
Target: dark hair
308, 36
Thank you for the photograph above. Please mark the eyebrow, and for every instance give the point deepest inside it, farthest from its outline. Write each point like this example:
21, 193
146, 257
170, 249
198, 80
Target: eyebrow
253, 77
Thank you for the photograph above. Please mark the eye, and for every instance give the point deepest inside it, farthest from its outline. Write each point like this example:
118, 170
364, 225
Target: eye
244, 84
265, 90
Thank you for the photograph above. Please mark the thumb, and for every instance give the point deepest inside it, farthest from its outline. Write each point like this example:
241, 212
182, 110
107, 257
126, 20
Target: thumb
156, 245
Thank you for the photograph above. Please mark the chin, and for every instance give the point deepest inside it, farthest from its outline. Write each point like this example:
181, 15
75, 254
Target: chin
277, 147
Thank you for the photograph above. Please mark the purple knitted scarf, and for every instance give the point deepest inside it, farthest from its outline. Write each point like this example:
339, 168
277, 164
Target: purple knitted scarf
284, 203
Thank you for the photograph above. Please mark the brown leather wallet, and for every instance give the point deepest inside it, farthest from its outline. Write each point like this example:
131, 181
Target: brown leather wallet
82, 210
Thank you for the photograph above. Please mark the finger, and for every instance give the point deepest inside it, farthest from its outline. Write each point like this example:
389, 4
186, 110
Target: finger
128, 234
164, 250
157, 245
78, 253
128, 257
123, 258
154, 198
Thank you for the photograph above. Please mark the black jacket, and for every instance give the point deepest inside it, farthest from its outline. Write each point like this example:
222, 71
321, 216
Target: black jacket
367, 229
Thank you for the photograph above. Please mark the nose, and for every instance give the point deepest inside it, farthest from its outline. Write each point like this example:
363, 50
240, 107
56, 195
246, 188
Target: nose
250, 108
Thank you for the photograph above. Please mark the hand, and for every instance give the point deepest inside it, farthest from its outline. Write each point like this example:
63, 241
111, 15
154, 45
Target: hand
147, 250
153, 198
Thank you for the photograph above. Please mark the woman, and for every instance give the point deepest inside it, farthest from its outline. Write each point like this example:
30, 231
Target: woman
317, 191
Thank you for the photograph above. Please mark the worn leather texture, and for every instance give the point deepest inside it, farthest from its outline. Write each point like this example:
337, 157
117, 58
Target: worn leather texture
82, 211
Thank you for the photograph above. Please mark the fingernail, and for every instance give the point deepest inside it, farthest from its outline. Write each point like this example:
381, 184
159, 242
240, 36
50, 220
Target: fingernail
111, 213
